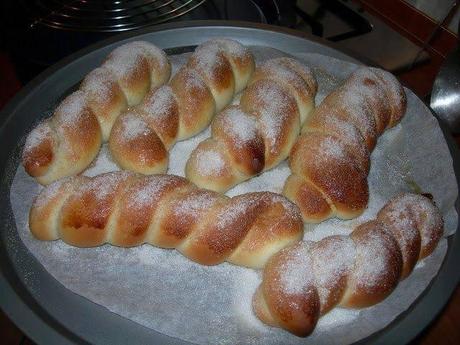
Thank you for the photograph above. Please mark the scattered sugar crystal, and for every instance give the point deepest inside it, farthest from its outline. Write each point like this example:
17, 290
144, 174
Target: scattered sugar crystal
209, 162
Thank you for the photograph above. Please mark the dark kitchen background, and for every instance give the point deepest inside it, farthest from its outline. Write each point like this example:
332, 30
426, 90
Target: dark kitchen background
410, 38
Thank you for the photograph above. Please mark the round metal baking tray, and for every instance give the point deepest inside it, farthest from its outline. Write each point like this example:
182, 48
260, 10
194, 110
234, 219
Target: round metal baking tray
49, 313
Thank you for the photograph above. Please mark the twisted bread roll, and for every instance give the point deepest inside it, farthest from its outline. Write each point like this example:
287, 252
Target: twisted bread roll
257, 134
141, 137
127, 209
330, 161
66, 143
306, 280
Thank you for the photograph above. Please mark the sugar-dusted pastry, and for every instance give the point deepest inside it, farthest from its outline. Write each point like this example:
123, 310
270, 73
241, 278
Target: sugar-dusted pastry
214, 73
127, 209
330, 160
306, 280
257, 134
66, 143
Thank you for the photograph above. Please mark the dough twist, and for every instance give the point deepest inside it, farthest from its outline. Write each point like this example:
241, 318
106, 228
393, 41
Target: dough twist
257, 134
306, 280
127, 209
330, 161
67, 142
214, 73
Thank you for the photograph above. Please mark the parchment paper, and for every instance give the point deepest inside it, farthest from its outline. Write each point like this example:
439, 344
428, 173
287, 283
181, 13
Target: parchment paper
163, 290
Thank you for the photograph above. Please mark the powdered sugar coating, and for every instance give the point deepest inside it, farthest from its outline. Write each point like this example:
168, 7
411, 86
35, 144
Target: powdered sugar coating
358, 110
389, 84
150, 191
296, 272
347, 131
209, 162
275, 68
208, 58
124, 60
50, 192
358, 82
274, 108
232, 47
159, 103
103, 186
333, 259
70, 111
374, 263
192, 80
98, 84
153, 52
401, 220
37, 136
291, 209
195, 203
235, 210
240, 125
133, 126
331, 149
426, 216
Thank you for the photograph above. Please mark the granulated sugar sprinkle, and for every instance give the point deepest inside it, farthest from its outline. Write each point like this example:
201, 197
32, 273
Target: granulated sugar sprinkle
296, 273
134, 126
37, 135
241, 125
209, 162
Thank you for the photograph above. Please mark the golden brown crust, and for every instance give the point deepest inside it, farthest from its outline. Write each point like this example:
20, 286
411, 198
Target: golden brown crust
399, 220
239, 57
367, 85
306, 280
195, 101
38, 153
210, 62
278, 115
420, 213
257, 134
296, 78
324, 162
395, 93
238, 132
345, 132
332, 155
377, 268
136, 147
308, 198
134, 80
126, 209
137, 207
295, 308
44, 213
210, 167
183, 108
67, 143
85, 214
105, 98
64, 144
160, 111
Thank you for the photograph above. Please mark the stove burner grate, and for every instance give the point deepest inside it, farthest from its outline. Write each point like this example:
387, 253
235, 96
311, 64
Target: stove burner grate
106, 16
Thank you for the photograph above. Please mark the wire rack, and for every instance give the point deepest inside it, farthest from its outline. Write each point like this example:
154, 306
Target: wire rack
106, 16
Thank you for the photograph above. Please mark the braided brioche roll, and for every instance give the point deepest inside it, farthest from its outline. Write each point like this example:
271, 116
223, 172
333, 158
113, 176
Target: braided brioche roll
257, 134
214, 73
306, 280
331, 159
67, 142
127, 209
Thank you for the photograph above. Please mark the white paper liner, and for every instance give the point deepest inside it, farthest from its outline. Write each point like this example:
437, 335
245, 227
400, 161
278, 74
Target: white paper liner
164, 291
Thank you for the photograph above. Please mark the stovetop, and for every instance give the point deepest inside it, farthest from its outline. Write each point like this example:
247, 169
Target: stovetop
41, 32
